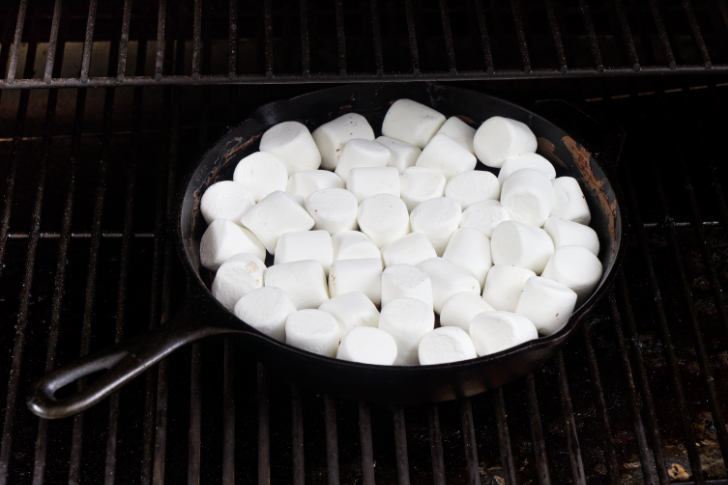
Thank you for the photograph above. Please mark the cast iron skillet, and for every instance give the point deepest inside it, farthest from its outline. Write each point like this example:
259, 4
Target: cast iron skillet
201, 316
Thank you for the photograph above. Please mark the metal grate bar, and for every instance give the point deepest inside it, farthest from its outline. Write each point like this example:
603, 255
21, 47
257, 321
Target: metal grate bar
17, 39
305, 42
376, 37
591, 32
521, 35
193, 434
365, 440
299, 470
53, 41
196, 39
268, 36
697, 33
161, 39
263, 427
470, 445
556, 34
233, 38
228, 414
332, 440
662, 33
412, 36
88, 41
504, 436
572, 437
400, 445
484, 37
436, 451
340, 36
539, 445
447, 33
627, 35
124, 40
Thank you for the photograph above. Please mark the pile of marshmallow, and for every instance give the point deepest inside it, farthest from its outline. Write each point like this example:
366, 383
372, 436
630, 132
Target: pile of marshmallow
501, 259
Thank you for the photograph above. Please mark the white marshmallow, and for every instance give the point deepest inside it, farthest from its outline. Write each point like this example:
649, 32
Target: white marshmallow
411, 122
403, 154
575, 267
437, 219
354, 245
306, 182
352, 310
447, 280
547, 303
569, 202
368, 181
459, 310
359, 153
266, 310
570, 233
293, 144
406, 281
484, 216
418, 184
334, 209
533, 161
407, 320
363, 275
223, 239
332, 135
492, 332
276, 214
527, 196
225, 200
459, 131
446, 155
303, 281
410, 249
368, 346
300, 246
445, 344
469, 249
472, 186
499, 138
313, 330
519, 244
237, 277
261, 173
383, 218
503, 286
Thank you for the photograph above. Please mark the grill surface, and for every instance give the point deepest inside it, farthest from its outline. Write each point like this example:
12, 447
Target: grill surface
88, 181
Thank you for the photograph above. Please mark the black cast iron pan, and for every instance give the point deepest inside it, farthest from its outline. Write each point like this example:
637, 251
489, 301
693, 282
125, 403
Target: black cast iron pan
201, 316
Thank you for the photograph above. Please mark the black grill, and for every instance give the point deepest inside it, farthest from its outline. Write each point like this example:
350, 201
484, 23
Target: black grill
127, 95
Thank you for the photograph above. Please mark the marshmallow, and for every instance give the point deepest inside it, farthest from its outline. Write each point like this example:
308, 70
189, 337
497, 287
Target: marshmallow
533, 161
418, 184
368, 346
313, 330
223, 239
547, 303
569, 233
499, 138
293, 144
352, 310
383, 218
407, 320
406, 281
459, 310
276, 214
306, 182
503, 286
266, 310
331, 136
359, 153
411, 122
469, 249
484, 216
225, 200
363, 275
368, 181
472, 186
445, 344
575, 267
459, 131
447, 280
410, 249
569, 202
437, 219
261, 173
300, 246
527, 196
519, 244
237, 277
403, 154
303, 281
354, 245
334, 209
446, 155
492, 332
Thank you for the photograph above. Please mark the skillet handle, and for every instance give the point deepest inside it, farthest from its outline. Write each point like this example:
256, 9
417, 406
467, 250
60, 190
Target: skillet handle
121, 363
